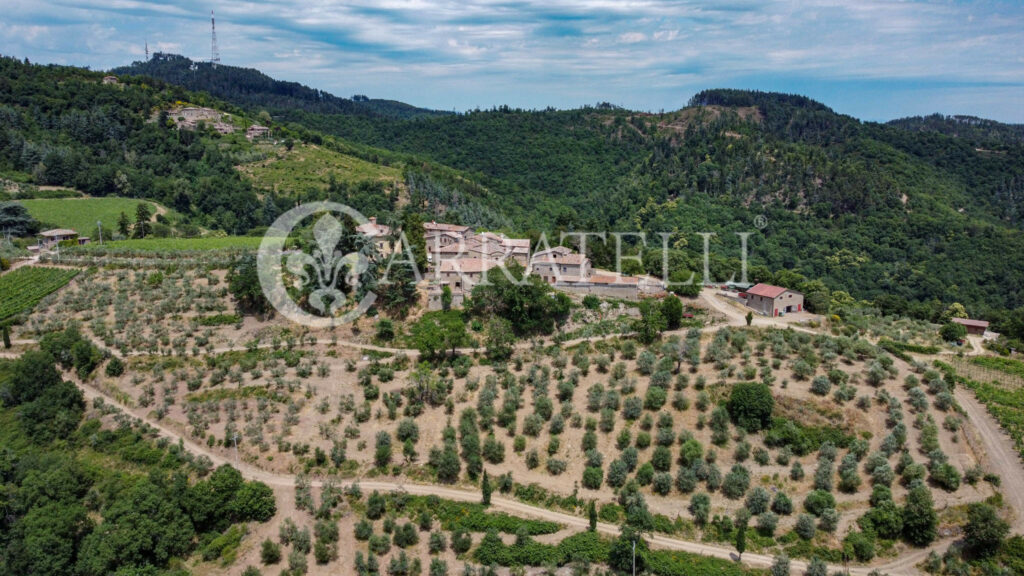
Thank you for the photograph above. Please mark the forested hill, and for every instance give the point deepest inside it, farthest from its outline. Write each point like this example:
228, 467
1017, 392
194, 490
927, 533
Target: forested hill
975, 130
905, 211
868, 208
253, 89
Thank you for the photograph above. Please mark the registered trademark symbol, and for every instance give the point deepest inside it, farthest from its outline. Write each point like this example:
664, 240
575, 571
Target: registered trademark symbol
761, 221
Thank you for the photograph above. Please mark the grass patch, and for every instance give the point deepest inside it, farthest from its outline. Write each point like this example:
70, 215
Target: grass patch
179, 244
219, 320
901, 349
81, 214
473, 517
218, 394
803, 439
307, 167
674, 563
586, 546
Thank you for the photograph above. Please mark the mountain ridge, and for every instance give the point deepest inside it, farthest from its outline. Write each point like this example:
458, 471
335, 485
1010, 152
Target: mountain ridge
250, 87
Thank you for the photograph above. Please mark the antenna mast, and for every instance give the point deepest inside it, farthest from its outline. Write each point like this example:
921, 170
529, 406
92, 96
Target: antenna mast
214, 53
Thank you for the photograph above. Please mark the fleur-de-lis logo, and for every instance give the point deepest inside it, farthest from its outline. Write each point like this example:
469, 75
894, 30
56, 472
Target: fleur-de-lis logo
327, 263
319, 270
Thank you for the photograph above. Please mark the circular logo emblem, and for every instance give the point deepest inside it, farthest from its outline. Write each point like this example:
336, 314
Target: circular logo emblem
329, 279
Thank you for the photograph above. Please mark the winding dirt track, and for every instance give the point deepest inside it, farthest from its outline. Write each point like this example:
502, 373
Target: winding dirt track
1003, 458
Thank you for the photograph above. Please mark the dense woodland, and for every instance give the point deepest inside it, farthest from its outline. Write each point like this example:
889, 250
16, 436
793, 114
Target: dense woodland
81, 499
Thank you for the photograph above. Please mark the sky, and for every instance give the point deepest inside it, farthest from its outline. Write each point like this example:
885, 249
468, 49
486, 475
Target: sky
875, 60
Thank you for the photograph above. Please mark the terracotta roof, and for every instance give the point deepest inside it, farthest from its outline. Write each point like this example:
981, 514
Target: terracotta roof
570, 259
766, 290
58, 232
456, 248
612, 279
468, 265
492, 236
442, 227
553, 251
971, 323
488, 248
517, 242
371, 228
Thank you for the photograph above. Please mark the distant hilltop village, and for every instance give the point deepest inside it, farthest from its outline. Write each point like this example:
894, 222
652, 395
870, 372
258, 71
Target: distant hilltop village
460, 258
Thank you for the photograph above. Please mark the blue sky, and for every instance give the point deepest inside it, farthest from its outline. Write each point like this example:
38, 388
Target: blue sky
875, 60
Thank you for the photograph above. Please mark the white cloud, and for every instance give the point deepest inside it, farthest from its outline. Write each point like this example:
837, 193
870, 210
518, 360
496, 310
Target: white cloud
645, 53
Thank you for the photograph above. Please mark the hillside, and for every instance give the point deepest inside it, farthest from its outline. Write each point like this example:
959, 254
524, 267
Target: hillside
975, 130
82, 214
63, 127
908, 212
253, 89
870, 209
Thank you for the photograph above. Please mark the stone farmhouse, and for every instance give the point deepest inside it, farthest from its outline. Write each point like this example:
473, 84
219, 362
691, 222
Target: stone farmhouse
48, 239
460, 258
379, 233
769, 300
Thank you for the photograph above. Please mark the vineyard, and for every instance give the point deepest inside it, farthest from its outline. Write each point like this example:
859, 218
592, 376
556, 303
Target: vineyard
1003, 371
177, 244
1001, 393
23, 288
1006, 365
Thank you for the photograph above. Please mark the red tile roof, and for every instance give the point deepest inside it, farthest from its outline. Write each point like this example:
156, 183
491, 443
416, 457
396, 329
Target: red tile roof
971, 323
612, 279
440, 226
766, 290
570, 259
468, 265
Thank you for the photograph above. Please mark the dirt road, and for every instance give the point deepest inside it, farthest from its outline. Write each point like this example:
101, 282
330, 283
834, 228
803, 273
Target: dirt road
1003, 459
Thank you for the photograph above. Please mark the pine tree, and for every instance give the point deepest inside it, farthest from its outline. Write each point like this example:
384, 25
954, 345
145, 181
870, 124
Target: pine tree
486, 486
592, 516
142, 216
741, 540
123, 224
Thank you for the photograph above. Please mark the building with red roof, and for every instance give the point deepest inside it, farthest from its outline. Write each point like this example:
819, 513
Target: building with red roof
769, 300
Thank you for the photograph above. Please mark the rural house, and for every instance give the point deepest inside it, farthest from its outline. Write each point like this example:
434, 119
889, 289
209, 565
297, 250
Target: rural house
379, 233
771, 300
50, 238
977, 327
